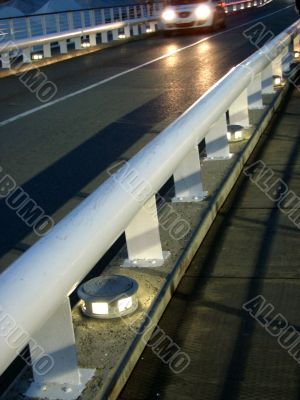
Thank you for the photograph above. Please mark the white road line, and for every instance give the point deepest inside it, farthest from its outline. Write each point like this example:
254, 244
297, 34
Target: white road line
95, 85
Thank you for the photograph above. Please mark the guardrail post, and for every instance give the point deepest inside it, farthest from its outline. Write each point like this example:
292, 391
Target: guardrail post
104, 38
43, 23
267, 80
77, 42
70, 21
287, 58
112, 16
28, 27
82, 20
135, 30
188, 179
153, 26
93, 17
11, 29
5, 60
26, 55
238, 111
296, 42
216, 142
63, 47
127, 31
143, 239
47, 50
93, 39
53, 357
57, 22
255, 100
115, 34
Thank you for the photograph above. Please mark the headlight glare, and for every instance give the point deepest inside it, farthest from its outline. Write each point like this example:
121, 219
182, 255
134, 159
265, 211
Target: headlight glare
203, 12
169, 15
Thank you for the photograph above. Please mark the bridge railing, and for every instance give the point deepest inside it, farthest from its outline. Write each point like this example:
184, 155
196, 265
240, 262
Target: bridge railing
35, 290
32, 37
24, 36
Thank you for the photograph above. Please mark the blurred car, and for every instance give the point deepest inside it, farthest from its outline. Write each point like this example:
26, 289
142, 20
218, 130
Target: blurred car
193, 14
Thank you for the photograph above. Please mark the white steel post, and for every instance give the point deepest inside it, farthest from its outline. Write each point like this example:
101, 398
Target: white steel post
26, 54
104, 38
44, 25
135, 30
143, 28
153, 26
63, 46
93, 40
28, 27
47, 50
287, 58
255, 100
70, 21
57, 22
77, 42
93, 17
115, 34
267, 80
54, 361
143, 239
238, 111
216, 142
127, 31
296, 42
188, 179
5, 60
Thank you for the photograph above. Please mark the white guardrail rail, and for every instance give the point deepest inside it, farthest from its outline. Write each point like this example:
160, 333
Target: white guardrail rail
35, 290
33, 37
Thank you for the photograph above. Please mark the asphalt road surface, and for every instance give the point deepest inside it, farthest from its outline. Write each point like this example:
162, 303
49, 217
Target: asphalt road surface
108, 105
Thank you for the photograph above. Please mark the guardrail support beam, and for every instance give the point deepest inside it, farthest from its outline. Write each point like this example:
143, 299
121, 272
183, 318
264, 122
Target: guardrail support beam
143, 239
55, 371
5, 60
104, 38
238, 112
135, 30
93, 40
296, 41
267, 80
47, 50
26, 55
188, 179
63, 47
216, 142
255, 100
77, 42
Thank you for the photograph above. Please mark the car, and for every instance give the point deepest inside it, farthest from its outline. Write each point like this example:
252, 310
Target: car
193, 14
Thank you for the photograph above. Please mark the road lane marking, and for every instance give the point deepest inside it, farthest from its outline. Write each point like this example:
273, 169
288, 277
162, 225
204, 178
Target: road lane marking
100, 83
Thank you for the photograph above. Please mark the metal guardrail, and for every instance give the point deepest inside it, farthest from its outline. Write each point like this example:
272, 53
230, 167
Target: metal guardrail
26, 33
34, 290
40, 31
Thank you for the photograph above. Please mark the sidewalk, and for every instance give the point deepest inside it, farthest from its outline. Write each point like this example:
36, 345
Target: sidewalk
252, 249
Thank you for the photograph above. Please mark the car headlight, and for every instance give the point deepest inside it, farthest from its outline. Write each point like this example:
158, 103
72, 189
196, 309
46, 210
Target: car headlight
169, 15
203, 12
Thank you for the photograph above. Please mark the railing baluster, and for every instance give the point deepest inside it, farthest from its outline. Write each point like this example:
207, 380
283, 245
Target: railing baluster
143, 239
188, 179
216, 143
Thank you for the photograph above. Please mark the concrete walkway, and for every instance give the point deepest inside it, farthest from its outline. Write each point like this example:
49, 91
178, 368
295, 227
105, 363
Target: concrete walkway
252, 249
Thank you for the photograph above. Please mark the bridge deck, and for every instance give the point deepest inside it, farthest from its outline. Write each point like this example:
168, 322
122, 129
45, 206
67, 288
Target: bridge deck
252, 249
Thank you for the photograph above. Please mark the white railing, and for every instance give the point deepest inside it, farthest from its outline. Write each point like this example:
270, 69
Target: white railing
24, 36
19, 36
34, 290
241, 5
